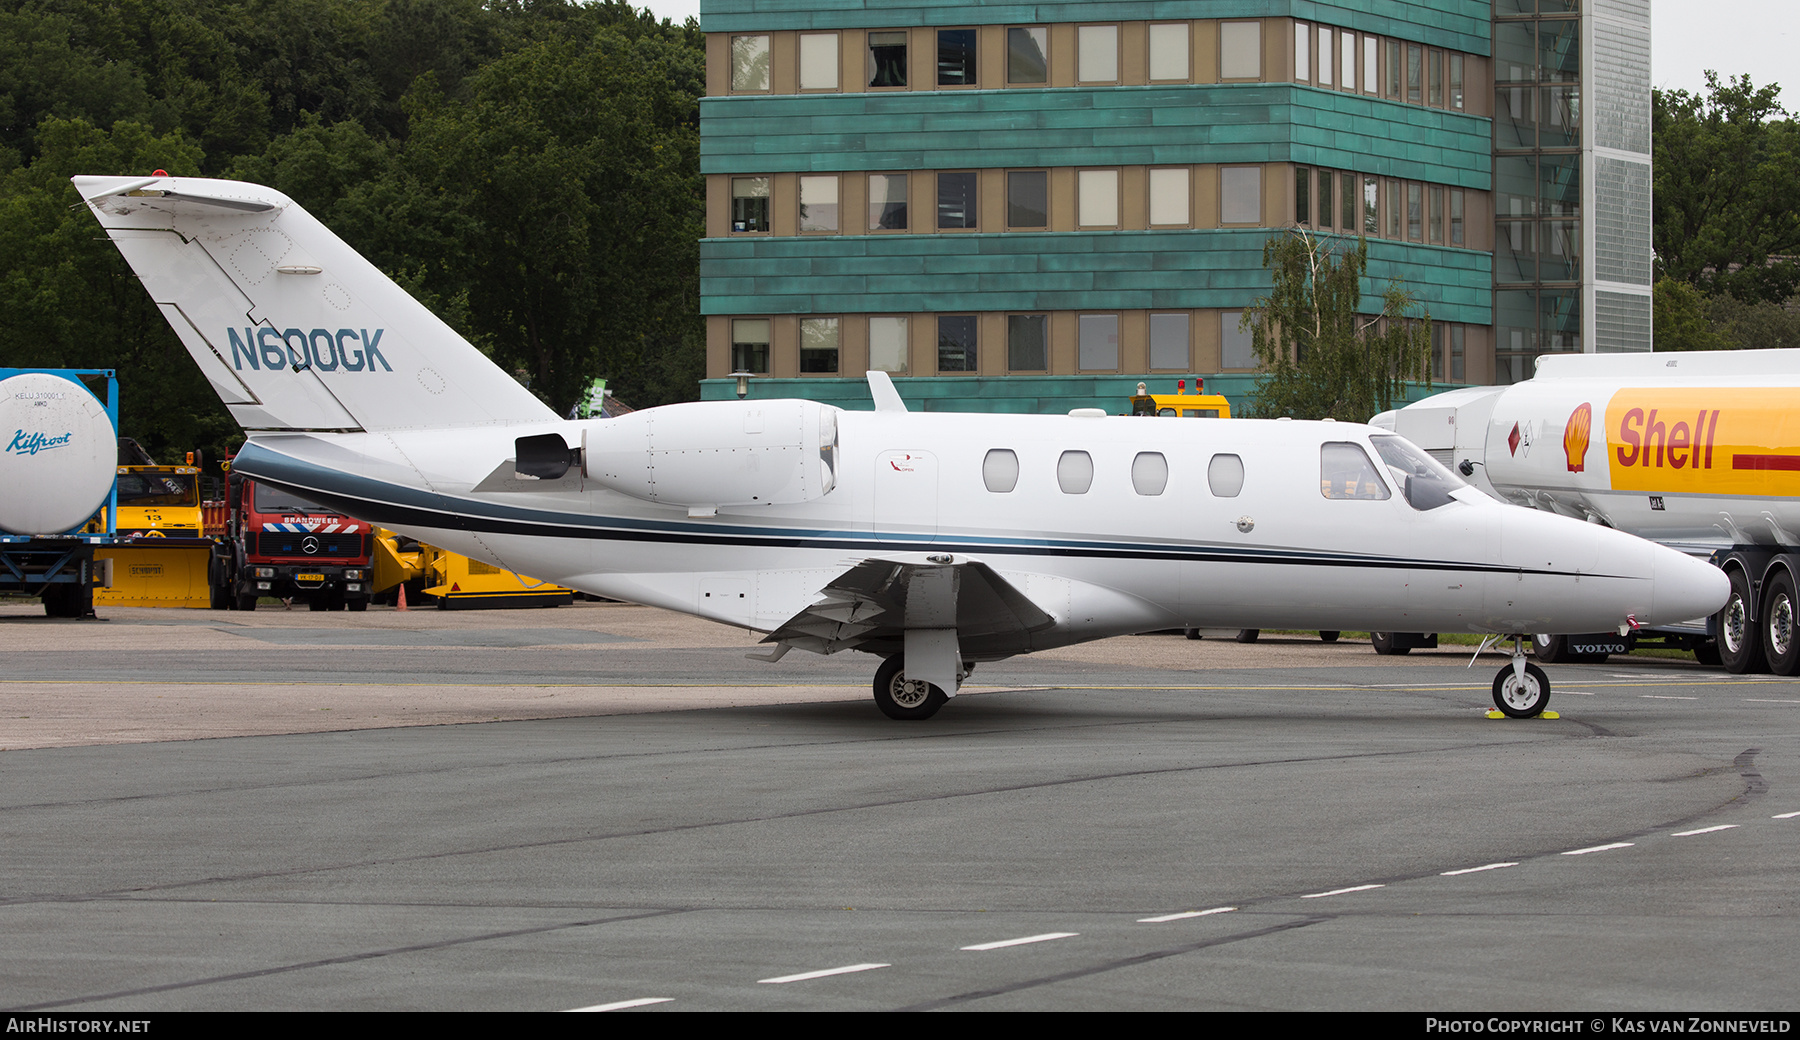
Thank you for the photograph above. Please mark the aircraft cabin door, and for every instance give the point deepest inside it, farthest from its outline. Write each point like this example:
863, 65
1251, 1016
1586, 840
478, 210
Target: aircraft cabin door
906, 497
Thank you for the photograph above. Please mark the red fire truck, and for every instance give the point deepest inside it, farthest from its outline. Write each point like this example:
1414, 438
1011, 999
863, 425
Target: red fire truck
279, 544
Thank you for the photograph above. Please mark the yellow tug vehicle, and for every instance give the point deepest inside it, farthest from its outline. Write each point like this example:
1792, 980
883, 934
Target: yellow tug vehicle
161, 558
1181, 404
453, 581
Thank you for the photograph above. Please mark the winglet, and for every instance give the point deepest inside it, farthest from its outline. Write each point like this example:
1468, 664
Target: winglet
881, 388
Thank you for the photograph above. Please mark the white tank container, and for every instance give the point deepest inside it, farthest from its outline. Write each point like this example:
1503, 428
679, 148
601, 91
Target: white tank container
58, 454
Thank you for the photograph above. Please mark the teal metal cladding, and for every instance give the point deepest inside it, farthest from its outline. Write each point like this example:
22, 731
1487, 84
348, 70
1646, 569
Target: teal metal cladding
1456, 24
1118, 126
1073, 270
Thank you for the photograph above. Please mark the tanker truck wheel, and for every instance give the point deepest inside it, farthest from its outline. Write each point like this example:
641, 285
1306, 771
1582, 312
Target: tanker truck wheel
246, 601
1740, 644
1781, 639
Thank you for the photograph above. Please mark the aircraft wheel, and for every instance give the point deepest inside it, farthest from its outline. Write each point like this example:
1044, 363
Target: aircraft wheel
901, 699
247, 601
1329, 637
1781, 640
1248, 635
1521, 698
1383, 642
1191, 633
1740, 644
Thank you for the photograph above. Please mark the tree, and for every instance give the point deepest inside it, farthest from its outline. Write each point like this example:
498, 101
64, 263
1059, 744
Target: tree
1680, 318
1321, 357
1727, 171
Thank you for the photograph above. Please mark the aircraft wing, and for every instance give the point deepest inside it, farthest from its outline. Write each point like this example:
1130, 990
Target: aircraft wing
871, 605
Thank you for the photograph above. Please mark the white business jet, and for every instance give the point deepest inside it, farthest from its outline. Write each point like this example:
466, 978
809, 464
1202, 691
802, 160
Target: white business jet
935, 541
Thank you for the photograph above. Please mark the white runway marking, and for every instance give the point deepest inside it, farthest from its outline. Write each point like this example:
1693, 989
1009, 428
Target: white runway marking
1703, 830
1476, 870
1766, 700
1785, 816
1046, 937
803, 976
1666, 697
1186, 914
623, 1004
1341, 891
1600, 848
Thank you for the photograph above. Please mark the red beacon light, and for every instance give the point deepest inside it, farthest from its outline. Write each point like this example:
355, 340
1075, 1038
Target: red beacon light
1181, 386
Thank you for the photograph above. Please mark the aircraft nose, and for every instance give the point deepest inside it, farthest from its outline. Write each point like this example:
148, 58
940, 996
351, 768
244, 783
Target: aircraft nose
1686, 588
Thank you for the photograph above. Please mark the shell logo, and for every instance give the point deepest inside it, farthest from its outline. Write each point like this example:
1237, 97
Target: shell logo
1575, 436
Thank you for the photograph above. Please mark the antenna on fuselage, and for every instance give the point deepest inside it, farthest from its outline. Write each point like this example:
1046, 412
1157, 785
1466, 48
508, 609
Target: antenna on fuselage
881, 388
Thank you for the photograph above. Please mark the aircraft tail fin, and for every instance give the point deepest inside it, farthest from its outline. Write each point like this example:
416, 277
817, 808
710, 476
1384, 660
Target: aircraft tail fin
294, 329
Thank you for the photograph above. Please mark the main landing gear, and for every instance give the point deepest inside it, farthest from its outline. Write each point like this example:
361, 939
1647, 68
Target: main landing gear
1521, 689
903, 699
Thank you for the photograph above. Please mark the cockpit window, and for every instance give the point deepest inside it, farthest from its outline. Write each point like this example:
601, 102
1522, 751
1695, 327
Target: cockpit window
1424, 482
1345, 472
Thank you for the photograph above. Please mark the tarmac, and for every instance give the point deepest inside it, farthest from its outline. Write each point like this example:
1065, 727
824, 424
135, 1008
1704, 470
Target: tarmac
603, 805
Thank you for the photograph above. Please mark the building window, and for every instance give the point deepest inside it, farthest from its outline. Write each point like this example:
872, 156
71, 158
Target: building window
1302, 52
750, 345
887, 345
1097, 53
749, 63
956, 200
887, 59
1149, 473
887, 202
1237, 347
1240, 50
818, 345
1240, 195
1371, 65
1347, 202
1000, 470
819, 203
749, 204
1097, 203
956, 342
1415, 211
1436, 97
1025, 55
1075, 472
1347, 60
1027, 199
1371, 206
1326, 43
1027, 342
1437, 214
1456, 217
1392, 191
1169, 341
1437, 350
956, 58
1415, 60
818, 61
1171, 193
1392, 79
1302, 195
1456, 81
1169, 44
1457, 371
1099, 342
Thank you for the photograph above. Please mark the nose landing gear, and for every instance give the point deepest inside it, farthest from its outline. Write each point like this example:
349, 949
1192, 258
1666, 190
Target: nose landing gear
1521, 689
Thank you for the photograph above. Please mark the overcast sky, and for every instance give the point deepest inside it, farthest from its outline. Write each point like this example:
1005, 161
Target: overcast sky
1732, 37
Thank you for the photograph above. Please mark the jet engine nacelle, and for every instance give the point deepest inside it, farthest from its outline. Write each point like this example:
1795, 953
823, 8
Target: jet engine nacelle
707, 454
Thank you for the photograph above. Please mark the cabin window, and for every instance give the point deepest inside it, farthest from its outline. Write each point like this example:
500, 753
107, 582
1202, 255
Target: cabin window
1075, 472
1000, 470
1149, 473
1345, 472
1225, 475
1424, 482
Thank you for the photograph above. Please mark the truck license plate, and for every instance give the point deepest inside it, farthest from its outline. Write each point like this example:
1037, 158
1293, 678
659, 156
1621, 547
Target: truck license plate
309, 577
